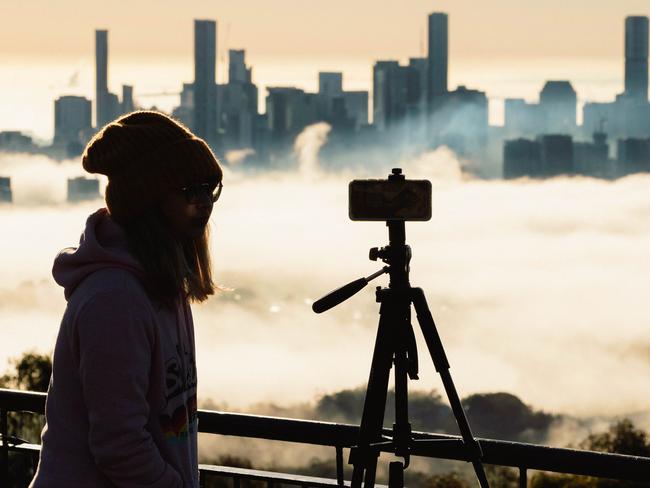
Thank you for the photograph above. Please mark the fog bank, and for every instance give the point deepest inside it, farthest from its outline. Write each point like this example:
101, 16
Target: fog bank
539, 288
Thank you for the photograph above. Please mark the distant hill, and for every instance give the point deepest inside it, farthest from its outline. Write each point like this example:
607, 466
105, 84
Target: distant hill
492, 415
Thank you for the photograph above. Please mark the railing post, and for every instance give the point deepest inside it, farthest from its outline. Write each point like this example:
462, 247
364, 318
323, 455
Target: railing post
339, 466
5, 447
523, 477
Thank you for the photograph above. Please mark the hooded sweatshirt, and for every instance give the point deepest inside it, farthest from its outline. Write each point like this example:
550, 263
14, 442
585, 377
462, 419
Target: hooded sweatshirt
121, 403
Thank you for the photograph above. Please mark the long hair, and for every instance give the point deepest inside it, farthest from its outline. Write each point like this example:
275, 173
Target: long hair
172, 267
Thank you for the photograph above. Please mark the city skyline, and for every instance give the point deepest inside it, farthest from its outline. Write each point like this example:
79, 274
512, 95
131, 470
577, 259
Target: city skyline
500, 77
414, 110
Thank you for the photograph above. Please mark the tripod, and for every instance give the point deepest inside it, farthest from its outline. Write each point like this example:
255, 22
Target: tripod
395, 343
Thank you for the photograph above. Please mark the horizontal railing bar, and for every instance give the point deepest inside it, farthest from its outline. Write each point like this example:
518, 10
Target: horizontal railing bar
278, 429
22, 401
270, 476
544, 458
25, 448
503, 453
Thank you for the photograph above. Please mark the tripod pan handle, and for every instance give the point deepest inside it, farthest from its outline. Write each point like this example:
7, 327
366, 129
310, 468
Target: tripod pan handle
337, 296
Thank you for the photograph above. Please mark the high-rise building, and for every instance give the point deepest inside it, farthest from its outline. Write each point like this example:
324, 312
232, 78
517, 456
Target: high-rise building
356, 105
438, 58
633, 155
185, 111
102, 110
5, 189
82, 188
556, 151
547, 156
389, 83
462, 121
205, 75
237, 70
330, 97
72, 119
127, 99
592, 158
636, 57
237, 104
107, 103
330, 83
558, 104
521, 158
522, 118
629, 115
417, 82
289, 110
15, 141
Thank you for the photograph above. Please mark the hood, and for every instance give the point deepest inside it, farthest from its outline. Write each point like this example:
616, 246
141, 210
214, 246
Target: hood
102, 245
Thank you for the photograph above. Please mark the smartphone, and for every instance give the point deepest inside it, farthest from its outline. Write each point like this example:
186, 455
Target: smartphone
390, 200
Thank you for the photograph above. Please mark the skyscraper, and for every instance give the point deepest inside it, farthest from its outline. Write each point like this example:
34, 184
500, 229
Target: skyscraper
636, 57
101, 78
389, 89
330, 83
558, 103
438, 55
127, 99
237, 70
72, 119
237, 104
205, 75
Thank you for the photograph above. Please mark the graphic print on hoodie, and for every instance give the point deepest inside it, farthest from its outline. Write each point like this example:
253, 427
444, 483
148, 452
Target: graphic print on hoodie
179, 417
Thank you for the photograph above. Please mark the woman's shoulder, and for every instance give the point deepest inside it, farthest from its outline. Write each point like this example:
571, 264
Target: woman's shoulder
111, 284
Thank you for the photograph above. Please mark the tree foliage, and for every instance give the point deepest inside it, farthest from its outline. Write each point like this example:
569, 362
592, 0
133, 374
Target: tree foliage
621, 438
31, 372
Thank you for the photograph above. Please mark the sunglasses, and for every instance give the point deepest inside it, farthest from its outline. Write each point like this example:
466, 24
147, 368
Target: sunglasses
197, 192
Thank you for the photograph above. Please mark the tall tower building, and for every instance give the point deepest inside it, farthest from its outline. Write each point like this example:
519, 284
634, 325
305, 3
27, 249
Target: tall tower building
438, 57
389, 88
72, 119
102, 109
330, 83
205, 75
237, 70
558, 103
636, 57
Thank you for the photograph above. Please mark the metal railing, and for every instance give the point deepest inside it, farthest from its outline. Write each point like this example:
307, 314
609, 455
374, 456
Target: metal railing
518, 455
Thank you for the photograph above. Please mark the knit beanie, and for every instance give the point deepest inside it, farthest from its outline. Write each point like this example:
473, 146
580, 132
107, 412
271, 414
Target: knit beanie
145, 155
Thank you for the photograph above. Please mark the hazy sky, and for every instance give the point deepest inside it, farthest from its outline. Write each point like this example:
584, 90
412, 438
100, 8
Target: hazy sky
360, 28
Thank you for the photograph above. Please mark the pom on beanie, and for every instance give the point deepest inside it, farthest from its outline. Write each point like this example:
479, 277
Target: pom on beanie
145, 155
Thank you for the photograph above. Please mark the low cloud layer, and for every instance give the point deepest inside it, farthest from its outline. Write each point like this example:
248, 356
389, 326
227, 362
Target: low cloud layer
538, 288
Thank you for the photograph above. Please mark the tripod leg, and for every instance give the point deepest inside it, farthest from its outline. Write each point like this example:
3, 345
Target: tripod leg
403, 368
362, 457
437, 352
396, 475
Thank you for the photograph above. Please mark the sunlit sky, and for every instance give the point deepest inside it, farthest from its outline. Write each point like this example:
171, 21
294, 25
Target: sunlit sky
361, 28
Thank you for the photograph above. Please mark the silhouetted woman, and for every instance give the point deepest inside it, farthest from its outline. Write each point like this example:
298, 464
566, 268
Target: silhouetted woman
121, 405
